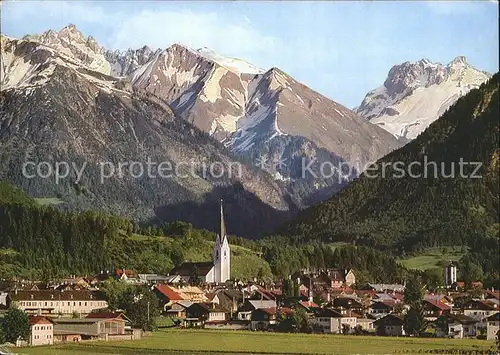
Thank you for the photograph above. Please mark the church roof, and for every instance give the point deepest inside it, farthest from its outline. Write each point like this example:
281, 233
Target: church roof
186, 269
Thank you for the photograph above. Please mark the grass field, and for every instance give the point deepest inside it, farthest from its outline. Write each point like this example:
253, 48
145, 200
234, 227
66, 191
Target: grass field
431, 258
183, 342
48, 201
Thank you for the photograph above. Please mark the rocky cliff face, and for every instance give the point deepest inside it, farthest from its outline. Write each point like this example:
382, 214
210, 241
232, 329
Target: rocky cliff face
56, 110
297, 146
415, 94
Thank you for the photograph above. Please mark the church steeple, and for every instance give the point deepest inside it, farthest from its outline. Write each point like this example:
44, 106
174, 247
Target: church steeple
222, 224
222, 252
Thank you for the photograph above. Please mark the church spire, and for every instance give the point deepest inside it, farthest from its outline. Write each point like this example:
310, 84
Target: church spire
222, 224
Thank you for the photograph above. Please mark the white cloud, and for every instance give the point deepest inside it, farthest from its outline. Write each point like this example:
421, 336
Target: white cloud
227, 35
84, 12
160, 29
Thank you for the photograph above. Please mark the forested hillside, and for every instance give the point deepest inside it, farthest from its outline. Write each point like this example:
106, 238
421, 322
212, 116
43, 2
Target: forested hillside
44, 242
394, 212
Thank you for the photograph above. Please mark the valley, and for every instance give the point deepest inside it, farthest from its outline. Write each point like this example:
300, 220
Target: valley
246, 178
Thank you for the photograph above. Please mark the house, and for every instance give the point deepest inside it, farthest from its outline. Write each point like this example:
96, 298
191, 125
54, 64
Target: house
199, 313
53, 302
347, 304
228, 299
308, 306
3, 300
245, 311
152, 279
106, 327
492, 295
178, 309
390, 325
335, 277
41, 331
216, 271
350, 278
458, 325
176, 279
329, 278
447, 300
263, 318
77, 283
167, 295
479, 309
328, 320
366, 323
192, 293
434, 309
384, 287
492, 326
383, 308
109, 315
126, 275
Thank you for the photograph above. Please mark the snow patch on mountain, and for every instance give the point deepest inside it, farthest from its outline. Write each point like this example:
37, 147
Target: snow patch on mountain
212, 90
415, 94
233, 64
71, 43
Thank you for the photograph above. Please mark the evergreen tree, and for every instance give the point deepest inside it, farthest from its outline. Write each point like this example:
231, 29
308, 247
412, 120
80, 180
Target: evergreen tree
414, 321
414, 292
15, 325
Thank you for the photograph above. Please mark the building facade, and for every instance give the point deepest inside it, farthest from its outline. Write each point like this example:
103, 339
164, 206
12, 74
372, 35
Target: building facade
450, 275
45, 302
41, 331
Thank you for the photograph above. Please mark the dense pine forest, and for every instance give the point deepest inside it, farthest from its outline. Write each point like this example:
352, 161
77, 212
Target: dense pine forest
44, 242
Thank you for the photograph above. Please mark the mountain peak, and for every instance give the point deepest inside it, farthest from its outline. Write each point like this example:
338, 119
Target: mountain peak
396, 106
71, 32
459, 60
179, 47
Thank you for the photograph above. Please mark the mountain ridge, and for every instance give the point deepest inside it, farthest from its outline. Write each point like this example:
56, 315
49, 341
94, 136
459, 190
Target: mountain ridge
79, 116
415, 94
241, 110
410, 213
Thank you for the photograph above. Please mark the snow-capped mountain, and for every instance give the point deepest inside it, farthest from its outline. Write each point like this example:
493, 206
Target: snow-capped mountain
415, 94
260, 115
71, 44
233, 64
55, 109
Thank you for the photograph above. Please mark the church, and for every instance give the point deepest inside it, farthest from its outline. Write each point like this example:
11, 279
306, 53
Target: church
216, 271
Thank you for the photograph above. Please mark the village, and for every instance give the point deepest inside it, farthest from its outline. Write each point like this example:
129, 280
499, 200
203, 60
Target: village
203, 295
75, 310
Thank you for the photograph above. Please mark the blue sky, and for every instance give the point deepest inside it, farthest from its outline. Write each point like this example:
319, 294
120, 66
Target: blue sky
341, 49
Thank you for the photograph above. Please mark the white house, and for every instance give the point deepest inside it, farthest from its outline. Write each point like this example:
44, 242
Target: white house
330, 321
492, 326
41, 331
